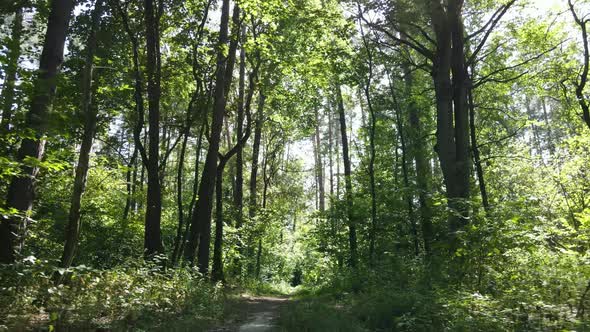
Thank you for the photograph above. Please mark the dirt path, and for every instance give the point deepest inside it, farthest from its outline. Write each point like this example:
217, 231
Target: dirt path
254, 314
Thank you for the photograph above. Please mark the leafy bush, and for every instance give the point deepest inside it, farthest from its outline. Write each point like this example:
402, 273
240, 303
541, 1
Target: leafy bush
126, 296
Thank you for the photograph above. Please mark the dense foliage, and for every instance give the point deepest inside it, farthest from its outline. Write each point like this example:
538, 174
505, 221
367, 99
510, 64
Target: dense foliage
408, 165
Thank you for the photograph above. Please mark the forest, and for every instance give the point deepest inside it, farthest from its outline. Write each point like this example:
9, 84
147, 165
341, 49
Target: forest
294, 165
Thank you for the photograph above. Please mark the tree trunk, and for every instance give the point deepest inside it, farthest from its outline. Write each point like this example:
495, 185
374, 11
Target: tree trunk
217, 271
233, 46
21, 190
90, 113
130, 178
405, 174
179, 239
330, 154
347, 182
258, 258
372, 128
153, 215
179, 182
195, 190
476, 154
255, 153
239, 190
200, 229
418, 153
451, 103
13, 55
319, 165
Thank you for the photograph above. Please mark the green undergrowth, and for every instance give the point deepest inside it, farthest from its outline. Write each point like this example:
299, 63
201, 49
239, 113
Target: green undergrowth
403, 303
264, 288
134, 297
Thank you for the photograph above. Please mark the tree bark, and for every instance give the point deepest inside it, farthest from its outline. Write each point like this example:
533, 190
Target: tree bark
130, 178
372, 128
451, 102
239, 192
14, 52
418, 153
200, 229
217, 271
476, 154
21, 190
405, 174
179, 178
153, 215
255, 154
90, 113
319, 165
352, 240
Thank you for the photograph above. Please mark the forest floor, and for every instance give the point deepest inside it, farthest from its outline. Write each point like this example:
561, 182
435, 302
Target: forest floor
253, 314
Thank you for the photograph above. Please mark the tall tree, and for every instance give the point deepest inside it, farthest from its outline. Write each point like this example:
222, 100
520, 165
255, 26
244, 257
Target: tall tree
352, 240
319, 164
217, 270
153, 215
372, 127
451, 82
239, 190
90, 113
14, 52
22, 187
200, 228
418, 153
252, 205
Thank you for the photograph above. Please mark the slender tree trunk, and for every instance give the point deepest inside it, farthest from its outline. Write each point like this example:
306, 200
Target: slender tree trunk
239, 184
255, 153
179, 202
217, 271
179, 176
330, 153
347, 182
264, 200
372, 128
408, 193
153, 215
143, 168
200, 229
239, 193
418, 152
21, 190
139, 102
130, 177
195, 189
476, 154
319, 165
338, 156
134, 181
373, 190
331, 170
90, 113
258, 258
14, 52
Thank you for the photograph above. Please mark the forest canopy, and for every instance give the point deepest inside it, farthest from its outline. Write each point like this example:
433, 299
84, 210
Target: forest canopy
394, 165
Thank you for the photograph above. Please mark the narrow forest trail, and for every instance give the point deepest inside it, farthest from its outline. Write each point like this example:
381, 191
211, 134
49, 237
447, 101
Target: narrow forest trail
254, 314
